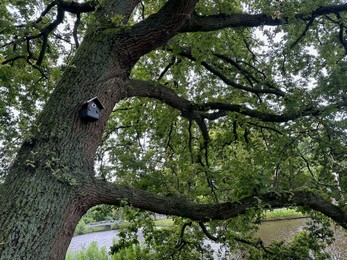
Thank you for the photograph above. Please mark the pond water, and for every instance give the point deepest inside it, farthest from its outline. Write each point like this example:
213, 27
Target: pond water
269, 231
104, 239
286, 229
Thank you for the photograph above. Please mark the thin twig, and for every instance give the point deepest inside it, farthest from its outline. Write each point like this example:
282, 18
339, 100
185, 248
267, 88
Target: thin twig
307, 27
181, 241
190, 141
172, 62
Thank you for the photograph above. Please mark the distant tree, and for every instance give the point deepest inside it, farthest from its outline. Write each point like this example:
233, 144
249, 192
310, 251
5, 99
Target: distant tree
214, 111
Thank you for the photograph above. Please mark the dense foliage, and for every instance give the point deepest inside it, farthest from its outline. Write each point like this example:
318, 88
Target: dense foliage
242, 110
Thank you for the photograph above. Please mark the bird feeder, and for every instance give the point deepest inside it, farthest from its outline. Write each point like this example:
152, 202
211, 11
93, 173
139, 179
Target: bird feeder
90, 110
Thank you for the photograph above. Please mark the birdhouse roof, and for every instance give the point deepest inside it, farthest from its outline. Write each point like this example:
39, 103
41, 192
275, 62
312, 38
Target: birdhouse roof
96, 101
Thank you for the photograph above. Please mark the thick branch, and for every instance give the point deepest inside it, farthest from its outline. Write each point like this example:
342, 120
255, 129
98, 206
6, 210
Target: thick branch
221, 21
49, 28
139, 88
77, 8
216, 22
158, 28
108, 193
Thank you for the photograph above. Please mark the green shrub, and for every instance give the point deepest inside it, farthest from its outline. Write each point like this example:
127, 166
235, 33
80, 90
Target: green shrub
93, 252
81, 228
132, 252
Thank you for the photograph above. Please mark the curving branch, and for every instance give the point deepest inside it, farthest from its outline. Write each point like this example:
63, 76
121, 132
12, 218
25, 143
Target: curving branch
191, 110
186, 52
46, 11
257, 244
243, 71
307, 27
62, 7
53, 25
141, 88
44, 33
108, 193
265, 116
75, 28
181, 242
208, 234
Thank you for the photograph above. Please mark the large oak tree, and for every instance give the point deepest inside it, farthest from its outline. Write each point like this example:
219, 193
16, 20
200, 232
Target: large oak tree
213, 111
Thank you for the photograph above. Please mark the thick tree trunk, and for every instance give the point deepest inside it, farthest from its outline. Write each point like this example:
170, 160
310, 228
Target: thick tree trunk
38, 217
43, 197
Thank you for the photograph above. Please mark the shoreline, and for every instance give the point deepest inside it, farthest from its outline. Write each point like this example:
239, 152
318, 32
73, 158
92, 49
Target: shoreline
285, 218
109, 228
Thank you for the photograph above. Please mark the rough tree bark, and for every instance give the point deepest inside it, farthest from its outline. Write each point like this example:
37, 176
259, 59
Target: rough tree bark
52, 182
43, 197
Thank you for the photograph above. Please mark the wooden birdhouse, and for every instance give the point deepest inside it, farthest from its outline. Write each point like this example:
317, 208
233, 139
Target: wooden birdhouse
90, 110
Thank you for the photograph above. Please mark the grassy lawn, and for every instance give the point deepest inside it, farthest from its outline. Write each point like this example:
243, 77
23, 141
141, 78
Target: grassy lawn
164, 222
277, 214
